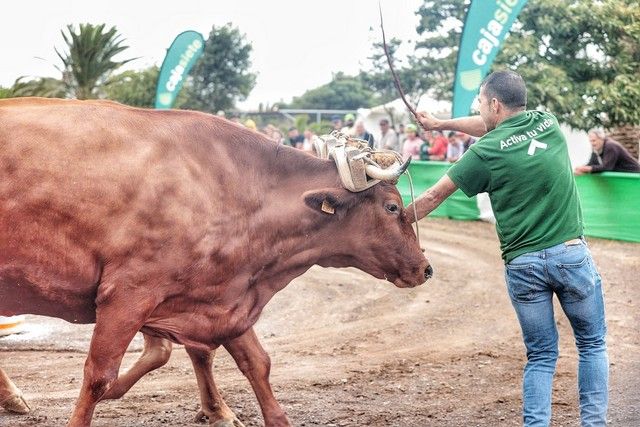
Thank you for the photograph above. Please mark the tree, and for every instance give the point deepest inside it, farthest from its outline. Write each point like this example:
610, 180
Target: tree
580, 59
135, 88
222, 74
435, 57
89, 61
341, 93
47, 87
5, 92
380, 81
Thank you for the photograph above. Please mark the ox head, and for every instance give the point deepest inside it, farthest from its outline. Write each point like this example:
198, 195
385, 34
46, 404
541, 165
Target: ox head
364, 220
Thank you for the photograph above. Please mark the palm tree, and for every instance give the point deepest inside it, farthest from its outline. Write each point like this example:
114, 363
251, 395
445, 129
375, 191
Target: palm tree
88, 61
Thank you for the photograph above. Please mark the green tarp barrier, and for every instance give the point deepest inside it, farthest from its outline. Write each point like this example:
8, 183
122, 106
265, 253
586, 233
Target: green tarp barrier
611, 205
427, 173
610, 200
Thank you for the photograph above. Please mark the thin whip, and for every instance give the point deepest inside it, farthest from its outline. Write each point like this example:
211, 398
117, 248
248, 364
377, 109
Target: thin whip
396, 80
415, 210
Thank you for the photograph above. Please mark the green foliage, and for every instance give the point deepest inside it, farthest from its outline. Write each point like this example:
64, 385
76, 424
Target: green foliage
5, 92
302, 122
221, 77
580, 59
88, 61
47, 87
381, 82
341, 93
135, 88
323, 128
436, 52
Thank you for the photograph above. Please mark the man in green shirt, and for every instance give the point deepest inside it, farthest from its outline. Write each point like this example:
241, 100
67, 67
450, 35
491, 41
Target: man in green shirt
522, 161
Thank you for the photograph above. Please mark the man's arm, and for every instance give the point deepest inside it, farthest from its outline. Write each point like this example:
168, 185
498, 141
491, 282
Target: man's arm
431, 199
472, 125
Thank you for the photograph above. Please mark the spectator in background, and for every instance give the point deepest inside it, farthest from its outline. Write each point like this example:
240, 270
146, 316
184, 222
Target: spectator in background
467, 140
412, 143
307, 143
273, 133
455, 147
389, 139
336, 122
295, 139
361, 133
220, 113
438, 149
349, 125
608, 155
401, 136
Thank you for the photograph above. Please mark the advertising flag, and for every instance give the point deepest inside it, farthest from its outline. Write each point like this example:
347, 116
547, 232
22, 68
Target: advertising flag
181, 57
486, 25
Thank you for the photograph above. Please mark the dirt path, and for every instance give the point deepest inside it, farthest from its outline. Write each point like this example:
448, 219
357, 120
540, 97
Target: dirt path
349, 350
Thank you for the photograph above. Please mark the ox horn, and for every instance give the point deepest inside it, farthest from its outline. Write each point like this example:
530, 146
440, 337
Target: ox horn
390, 174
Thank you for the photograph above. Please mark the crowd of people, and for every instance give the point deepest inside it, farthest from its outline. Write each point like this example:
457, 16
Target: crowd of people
411, 140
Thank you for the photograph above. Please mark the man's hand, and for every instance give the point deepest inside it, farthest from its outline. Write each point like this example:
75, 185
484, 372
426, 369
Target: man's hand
579, 170
472, 125
427, 121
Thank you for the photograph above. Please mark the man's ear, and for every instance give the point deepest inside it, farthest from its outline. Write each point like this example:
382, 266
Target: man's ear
327, 200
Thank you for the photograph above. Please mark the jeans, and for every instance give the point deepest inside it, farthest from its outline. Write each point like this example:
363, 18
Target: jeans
532, 279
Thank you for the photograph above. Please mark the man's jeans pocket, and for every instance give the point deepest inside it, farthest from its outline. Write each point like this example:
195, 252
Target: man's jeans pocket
578, 279
519, 282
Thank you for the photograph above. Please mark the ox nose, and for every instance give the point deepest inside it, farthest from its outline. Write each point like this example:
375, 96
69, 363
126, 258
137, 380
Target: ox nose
428, 272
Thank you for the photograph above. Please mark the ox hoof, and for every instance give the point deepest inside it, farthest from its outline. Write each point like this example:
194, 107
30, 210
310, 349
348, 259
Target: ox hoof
225, 422
16, 404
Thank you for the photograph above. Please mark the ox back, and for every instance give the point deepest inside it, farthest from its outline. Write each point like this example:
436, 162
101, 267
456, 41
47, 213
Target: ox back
84, 185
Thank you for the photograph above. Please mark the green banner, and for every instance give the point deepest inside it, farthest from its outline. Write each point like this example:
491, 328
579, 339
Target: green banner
424, 174
181, 56
486, 25
611, 205
610, 200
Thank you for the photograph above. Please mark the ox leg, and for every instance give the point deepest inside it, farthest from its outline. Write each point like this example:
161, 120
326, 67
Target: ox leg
155, 354
255, 364
213, 405
115, 328
10, 396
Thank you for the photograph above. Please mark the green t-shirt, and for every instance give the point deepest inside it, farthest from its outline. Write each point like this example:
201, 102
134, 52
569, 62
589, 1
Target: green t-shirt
524, 166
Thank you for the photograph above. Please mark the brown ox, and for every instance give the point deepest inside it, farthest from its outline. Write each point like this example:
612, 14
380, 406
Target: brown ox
177, 224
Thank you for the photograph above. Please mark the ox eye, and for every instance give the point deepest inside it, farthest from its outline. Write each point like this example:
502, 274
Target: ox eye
392, 207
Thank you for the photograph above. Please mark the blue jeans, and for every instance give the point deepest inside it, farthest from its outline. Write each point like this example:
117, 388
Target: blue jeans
532, 279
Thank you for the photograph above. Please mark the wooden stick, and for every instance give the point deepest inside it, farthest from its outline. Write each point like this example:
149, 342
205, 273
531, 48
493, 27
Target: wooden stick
393, 72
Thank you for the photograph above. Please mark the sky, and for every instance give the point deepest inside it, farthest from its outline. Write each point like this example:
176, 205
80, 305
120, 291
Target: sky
297, 45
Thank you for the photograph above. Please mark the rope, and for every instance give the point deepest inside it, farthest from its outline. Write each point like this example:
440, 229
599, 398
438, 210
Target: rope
415, 210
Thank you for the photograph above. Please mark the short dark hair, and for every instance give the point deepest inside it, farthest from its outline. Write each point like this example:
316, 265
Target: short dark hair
384, 121
507, 87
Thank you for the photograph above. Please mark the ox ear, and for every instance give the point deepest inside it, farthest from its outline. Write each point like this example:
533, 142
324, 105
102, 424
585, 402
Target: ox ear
327, 200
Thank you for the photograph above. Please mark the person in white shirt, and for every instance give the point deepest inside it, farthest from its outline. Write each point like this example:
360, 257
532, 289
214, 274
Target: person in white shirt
389, 138
455, 148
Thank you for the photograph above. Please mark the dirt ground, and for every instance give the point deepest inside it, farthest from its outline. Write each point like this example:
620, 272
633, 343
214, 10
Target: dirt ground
350, 350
